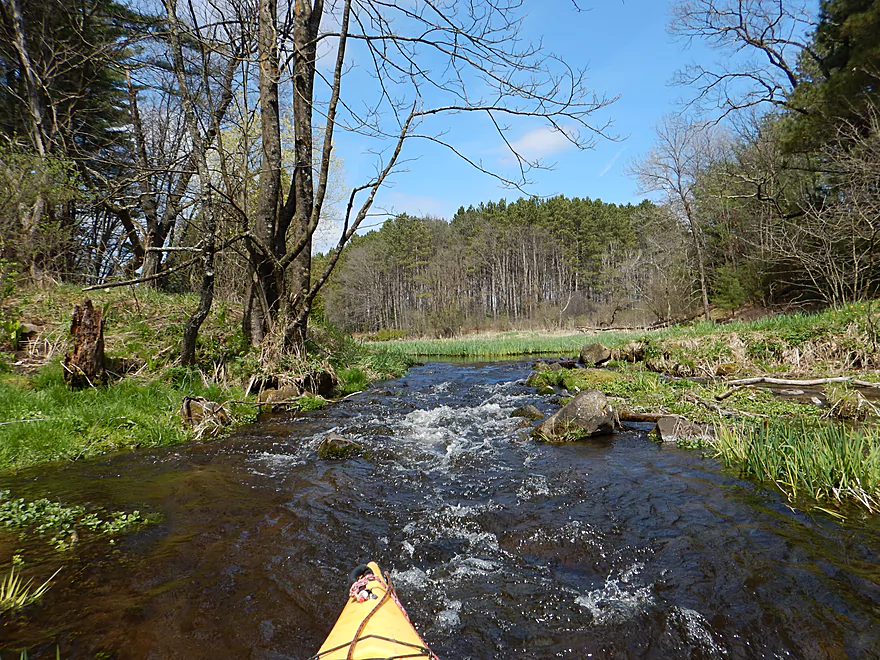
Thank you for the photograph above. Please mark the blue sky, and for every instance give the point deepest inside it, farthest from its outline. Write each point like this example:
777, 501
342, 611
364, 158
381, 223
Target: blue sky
628, 52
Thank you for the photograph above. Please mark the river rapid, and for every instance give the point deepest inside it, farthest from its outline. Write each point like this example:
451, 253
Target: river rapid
499, 547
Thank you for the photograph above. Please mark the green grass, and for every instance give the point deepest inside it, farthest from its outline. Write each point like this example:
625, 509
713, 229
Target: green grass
42, 420
830, 342
16, 594
507, 345
826, 463
647, 391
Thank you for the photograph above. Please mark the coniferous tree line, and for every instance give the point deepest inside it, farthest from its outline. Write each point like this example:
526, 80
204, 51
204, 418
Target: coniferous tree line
549, 263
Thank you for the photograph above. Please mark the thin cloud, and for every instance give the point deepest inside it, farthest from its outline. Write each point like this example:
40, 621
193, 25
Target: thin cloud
612, 161
542, 142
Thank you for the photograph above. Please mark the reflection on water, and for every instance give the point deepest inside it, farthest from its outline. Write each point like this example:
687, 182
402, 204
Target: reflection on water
500, 547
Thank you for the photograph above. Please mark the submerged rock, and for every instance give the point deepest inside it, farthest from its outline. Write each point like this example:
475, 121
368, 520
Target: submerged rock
335, 447
587, 415
529, 412
675, 428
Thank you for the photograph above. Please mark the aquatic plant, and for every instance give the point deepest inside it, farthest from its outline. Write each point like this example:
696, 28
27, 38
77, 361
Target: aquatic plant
16, 594
43, 517
825, 462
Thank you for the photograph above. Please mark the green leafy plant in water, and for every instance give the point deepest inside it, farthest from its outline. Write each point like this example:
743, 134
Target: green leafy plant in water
44, 517
16, 594
848, 403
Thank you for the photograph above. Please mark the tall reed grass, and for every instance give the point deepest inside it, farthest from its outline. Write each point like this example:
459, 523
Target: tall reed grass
828, 463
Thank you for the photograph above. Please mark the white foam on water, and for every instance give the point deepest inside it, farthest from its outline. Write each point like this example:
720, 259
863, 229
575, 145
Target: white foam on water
468, 566
536, 486
449, 618
412, 577
276, 464
695, 630
617, 600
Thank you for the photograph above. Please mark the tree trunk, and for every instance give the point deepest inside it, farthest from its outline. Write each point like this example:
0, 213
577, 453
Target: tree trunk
84, 365
191, 329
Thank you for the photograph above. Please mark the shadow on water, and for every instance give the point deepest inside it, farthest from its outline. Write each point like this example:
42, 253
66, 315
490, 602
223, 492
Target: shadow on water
499, 547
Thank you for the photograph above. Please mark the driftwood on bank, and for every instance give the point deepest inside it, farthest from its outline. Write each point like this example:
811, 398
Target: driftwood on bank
800, 383
657, 325
629, 416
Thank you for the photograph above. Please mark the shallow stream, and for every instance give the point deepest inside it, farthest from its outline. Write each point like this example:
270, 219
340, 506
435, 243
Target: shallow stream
499, 547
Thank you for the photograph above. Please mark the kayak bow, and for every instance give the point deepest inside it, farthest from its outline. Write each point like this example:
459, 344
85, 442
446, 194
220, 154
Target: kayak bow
373, 624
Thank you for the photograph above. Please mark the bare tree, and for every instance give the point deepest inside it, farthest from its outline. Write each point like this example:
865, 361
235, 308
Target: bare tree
427, 59
682, 152
833, 244
761, 44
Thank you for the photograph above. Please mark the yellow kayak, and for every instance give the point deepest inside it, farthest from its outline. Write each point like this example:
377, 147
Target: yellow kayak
373, 624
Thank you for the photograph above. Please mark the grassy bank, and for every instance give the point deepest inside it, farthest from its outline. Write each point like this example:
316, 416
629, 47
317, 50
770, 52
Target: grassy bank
830, 342
509, 344
42, 420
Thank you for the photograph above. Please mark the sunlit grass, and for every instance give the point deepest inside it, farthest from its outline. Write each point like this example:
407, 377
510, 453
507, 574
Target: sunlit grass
506, 345
764, 341
46, 421
827, 463
15, 593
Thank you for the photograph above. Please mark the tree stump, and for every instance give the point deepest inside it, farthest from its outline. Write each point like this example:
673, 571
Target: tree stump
84, 365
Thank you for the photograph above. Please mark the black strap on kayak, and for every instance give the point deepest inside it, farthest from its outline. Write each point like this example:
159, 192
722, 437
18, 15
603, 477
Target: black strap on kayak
359, 572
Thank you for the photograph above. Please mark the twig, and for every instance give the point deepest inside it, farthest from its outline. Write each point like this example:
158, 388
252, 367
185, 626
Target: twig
41, 419
732, 390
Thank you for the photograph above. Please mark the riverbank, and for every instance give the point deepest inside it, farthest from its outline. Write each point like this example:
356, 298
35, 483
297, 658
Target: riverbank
613, 548
814, 436
41, 420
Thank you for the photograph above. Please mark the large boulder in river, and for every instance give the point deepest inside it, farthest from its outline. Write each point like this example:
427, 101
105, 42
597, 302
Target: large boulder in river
592, 355
587, 415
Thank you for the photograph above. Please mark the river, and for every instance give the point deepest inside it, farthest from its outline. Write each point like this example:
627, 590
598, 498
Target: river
500, 547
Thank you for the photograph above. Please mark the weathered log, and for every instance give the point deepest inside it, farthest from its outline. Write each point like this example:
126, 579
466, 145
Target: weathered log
802, 383
629, 416
84, 365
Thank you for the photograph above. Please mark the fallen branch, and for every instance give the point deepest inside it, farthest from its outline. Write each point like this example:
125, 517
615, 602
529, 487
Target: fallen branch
628, 416
141, 280
732, 390
803, 383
